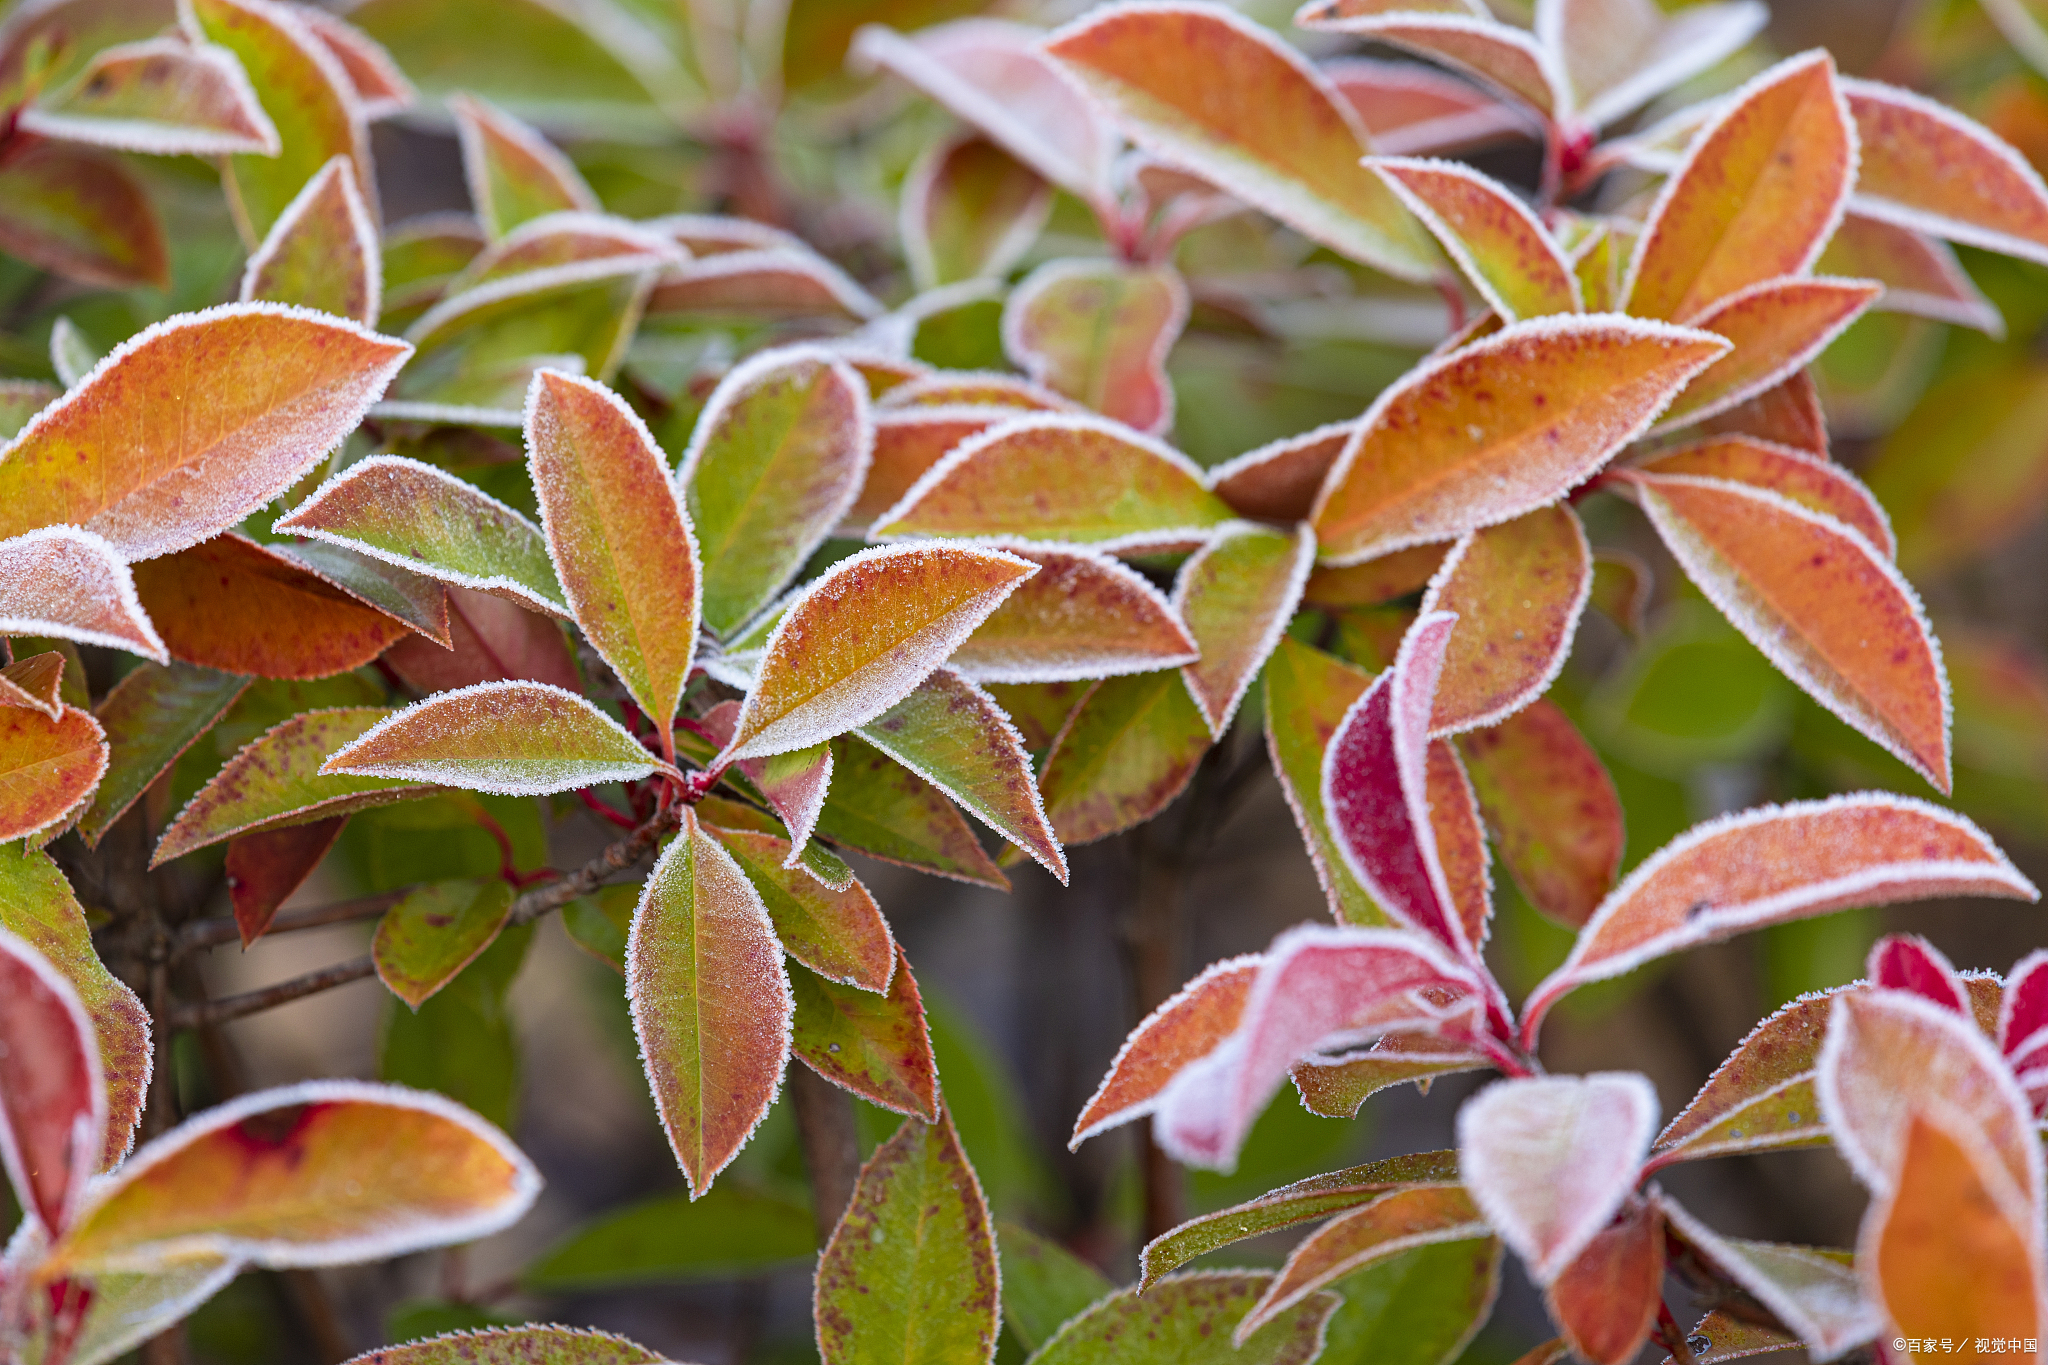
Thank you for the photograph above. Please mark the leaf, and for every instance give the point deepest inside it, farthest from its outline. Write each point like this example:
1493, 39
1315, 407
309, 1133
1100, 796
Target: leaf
763, 285
1620, 54
513, 175
1319, 985
1068, 480
1776, 326
2023, 1010
1907, 962
515, 1346
1376, 582
1278, 481
731, 1232
46, 766
1506, 58
1335, 1087
1237, 594
566, 238
710, 999
1517, 589
1788, 415
1182, 1320
1920, 274
621, 544
953, 734
1503, 249
1814, 482
1212, 94
161, 96
1777, 863
53, 1101
1397, 1221
1822, 603
35, 682
231, 604
970, 210
127, 1309
1810, 1290
1502, 427
307, 94
1418, 1308
1928, 168
876, 1046
1044, 1285
1099, 333
1555, 815
1124, 754
1081, 616
192, 424
322, 251
310, 1174
80, 213
275, 781
420, 604
263, 870
427, 938
1186, 1027
1756, 196
1608, 1298
863, 636
511, 738
911, 1273
418, 518
907, 443
380, 88
1549, 1160
490, 640
881, 808
1308, 693
72, 584
778, 457
973, 389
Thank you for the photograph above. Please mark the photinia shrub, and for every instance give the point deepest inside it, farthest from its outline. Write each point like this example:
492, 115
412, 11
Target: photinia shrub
940, 461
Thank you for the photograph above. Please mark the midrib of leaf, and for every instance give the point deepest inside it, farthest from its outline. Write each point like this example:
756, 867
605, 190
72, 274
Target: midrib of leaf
1138, 717
907, 638
45, 762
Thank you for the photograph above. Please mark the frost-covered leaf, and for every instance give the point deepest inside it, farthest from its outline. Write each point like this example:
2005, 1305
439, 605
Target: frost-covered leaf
381, 89
275, 780
1517, 590
1622, 589
234, 605
1308, 694
322, 251
876, 1046
779, 455
264, 868
418, 603
907, 443
1926, 167
1500, 428
161, 96
1822, 603
421, 519
1182, 1320
763, 285
65, 582
863, 636
2023, 1014
1808, 1289
881, 808
1907, 962
151, 717
311, 1174
127, 1308
1316, 986
426, 939
1460, 835
1182, 1030
36, 682
1336, 1086
53, 1100
46, 766
1376, 582
795, 785
513, 174
1506, 58
565, 238
1071, 480
1620, 54
969, 210
1278, 481
954, 735
1516, 264
515, 1346
1812, 481
490, 639
710, 999
1550, 1159
192, 424
1756, 196
621, 544
1082, 615
1207, 91
1412, 109
1099, 332
80, 213
1125, 753
1776, 863
1776, 327
911, 1272
1607, 1299
1237, 594
974, 389
1788, 415
1920, 274
839, 934
305, 91
513, 738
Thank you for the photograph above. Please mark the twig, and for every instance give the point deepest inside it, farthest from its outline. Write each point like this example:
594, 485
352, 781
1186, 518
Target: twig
211, 933
1673, 1337
254, 1002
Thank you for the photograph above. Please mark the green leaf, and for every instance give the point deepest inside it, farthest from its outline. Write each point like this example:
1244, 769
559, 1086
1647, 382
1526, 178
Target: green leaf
1044, 1284
598, 924
515, 1346
1422, 1307
463, 1042
425, 940
730, 1233
879, 807
1127, 751
876, 1046
151, 717
80, 213
840, 934
1186, 1320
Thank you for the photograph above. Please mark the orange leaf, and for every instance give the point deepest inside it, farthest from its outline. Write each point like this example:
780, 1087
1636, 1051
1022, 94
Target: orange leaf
1071, 480
80, 213
1125, 753
322, 252
53, 1102
876, 1046
1607, 1299
161, 96
252, 394
311, 1174
71, 584
1375, 582
1460, 841
1186, 1027
1788, 415
710, 999
1506, 58
1819, 600
1776, 327
234, 605
1278, 482
1778, 863
34, 682
425, 940
1920, 274
1552, 808
1928, 168
907, 443
1620, 54
1099, 333
1500, 428
1080, 616
1214, 94
970, 210
621, 544
1518, 589
1237, 594
513, 173
263, 869
1811, 481
840, 934
1500, 245
46, 766
1756, 196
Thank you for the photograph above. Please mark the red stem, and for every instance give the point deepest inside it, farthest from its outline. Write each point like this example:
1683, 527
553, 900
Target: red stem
508, 869
619, 818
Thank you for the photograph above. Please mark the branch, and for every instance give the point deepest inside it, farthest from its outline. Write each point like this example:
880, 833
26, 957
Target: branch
531, 905
270, 997
211, 933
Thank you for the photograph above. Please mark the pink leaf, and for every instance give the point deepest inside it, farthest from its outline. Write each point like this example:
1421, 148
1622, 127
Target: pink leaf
1099, 333
1415, 110
2023, 1013
70, 583
1080, 616
969, 211
53, 1098
1183, 1030
1907, 962
1237, 594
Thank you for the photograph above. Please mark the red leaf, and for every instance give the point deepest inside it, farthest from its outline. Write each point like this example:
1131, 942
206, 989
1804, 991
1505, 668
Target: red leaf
70, 583
839, 934
1460, 841
1081, 616
1812, 481
1777, 326
53, 1101
1606, 1300
1907, 962
2023, 1013
1788, 415
876, 1046
1100, 333
1187, 1027
80, 213
493, 640
264, 868
1308, 694
1125, 753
